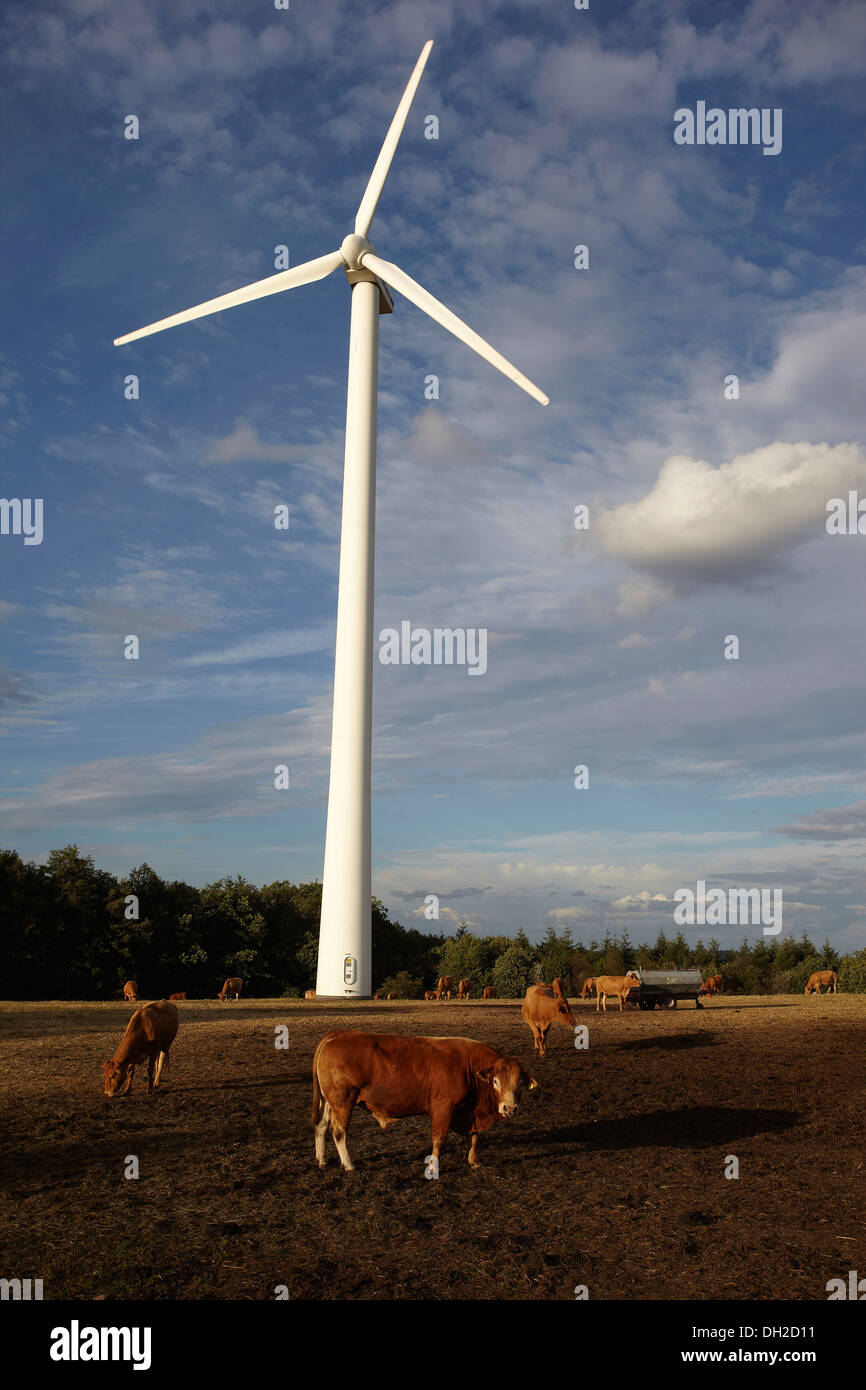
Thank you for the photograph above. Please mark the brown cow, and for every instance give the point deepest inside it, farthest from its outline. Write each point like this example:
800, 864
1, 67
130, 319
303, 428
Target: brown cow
177, 996
149, 1034
489, 992
461, 1084
819, 978
391, 996
445, 986
231, 988
618, 985
712, 985
588, 988
556, 986
541, 1008
130, 991
311, 994
464, 989
429, 994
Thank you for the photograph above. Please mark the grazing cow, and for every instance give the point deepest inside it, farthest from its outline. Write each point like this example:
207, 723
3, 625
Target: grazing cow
377, 996
588, 988
821, 977
541, 1007
149, 1034
311, 994
461, 1084
712, 985
231, 989
445, 986
177, 996
464, 989
429, 994
489, 992
130, 991
618, 985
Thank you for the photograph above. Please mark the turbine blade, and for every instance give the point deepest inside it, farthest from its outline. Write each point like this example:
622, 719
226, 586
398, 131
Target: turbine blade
273, 284
367, 208
399, 280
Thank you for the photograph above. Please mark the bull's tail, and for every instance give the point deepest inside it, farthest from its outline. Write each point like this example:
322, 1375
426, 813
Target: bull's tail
318, 1098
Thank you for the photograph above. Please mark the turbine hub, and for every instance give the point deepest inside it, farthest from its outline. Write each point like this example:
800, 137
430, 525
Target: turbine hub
352, 249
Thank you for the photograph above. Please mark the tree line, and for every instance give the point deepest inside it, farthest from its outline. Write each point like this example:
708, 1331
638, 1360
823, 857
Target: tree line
72, 931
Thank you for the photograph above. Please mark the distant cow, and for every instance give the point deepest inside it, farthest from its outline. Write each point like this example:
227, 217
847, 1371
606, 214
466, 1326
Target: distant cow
445, 986
556, 986
392, 995
712, 985
231, 989
588, 988
311, 994
177, 996
130, 991
464, 989
429, 994
149, 1034
618, 985
819, 978
489, 992
461, 1084
377, 996
540, 1009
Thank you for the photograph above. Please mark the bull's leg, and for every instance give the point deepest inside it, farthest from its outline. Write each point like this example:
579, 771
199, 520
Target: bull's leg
150, 1066
543, 1036
321, 1133
128, 1084
604, 1004
441, 1118
620, 1002
341, 1113
474, 1161
161, 1063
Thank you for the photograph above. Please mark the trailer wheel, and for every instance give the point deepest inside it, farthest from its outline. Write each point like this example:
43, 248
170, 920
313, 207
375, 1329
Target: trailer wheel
670, 1003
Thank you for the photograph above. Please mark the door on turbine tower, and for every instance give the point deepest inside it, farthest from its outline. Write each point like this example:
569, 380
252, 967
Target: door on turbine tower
350, 970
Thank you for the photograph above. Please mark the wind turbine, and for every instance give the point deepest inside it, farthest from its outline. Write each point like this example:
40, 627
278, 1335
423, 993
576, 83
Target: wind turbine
345, 936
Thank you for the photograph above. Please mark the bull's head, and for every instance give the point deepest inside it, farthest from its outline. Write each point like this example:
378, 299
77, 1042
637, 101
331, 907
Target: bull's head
114, 1074
506, 1081
564, 1013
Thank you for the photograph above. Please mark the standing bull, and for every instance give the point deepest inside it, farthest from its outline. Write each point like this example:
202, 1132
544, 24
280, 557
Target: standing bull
149, 1034
541, 1008
461, 1084
819, 978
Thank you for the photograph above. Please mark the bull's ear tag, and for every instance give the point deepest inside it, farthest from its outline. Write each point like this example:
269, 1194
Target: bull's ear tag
431, 1166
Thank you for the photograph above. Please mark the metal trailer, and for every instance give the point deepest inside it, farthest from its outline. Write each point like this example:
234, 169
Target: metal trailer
664, 989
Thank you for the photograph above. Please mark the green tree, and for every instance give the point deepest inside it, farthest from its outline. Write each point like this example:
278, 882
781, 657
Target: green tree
512, 972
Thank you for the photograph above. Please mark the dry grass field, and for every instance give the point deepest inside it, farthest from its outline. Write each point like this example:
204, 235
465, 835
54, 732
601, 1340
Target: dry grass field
610, 1176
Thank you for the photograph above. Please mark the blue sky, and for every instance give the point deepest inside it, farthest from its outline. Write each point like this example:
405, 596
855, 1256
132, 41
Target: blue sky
258, 128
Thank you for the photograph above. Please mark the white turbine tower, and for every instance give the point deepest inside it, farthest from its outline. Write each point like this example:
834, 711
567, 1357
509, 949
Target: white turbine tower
345, 963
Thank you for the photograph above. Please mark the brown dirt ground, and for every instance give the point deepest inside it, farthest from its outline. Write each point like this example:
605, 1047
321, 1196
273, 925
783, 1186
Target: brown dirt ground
611, 1175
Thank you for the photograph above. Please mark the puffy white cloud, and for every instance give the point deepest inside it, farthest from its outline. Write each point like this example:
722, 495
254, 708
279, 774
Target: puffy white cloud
705, 523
